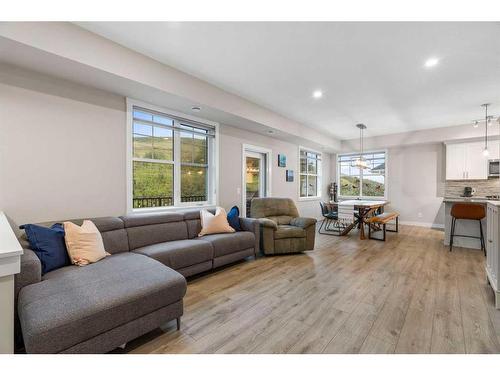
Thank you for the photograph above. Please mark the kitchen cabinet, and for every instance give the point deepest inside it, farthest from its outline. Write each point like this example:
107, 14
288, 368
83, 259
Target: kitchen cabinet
465, 161
494, 147
492, 249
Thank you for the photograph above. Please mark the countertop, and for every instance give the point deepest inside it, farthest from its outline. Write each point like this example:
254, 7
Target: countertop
471, 200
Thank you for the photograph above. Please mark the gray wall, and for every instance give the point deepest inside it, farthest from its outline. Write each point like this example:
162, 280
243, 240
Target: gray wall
415, 179
60, 158
416, 176
232, 140
62, 153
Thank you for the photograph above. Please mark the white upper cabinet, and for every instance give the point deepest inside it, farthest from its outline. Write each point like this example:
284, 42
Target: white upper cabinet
455, 161
494, 147
476, 164
465, 161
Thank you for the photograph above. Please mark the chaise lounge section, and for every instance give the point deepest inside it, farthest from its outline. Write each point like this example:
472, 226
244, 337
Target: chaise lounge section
96, 308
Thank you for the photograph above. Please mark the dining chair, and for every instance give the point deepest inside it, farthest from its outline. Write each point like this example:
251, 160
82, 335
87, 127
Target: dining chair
347, 216
330, 219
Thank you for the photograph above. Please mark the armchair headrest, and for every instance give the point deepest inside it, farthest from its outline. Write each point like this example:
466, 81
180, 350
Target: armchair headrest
264, 207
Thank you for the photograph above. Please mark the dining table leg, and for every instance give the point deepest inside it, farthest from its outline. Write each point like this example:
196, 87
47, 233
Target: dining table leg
362, 215
362, 228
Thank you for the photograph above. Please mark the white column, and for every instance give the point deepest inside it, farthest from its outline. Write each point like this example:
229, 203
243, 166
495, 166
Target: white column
10, 264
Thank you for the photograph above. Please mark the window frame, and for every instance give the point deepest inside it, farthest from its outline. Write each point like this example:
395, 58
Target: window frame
212, 156
319, 174
361, 196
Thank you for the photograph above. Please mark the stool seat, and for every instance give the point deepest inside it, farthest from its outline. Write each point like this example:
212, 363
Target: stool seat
467, 211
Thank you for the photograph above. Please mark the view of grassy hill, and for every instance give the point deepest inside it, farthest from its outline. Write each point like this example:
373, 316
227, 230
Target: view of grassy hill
156, 179
349, 186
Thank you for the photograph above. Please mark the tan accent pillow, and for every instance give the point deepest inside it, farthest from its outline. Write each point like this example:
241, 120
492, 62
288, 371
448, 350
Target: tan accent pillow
211, 224
84, 243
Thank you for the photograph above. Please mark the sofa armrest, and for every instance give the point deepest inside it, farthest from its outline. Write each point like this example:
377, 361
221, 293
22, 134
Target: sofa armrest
303, 222
31, 271
252, 225
249, 225
268, 223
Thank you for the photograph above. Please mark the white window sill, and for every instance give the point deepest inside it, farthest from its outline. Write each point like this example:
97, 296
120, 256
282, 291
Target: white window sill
307, 199
170, 208
362, 198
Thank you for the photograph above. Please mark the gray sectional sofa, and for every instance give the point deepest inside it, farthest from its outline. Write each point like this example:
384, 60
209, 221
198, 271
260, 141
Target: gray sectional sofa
96, 308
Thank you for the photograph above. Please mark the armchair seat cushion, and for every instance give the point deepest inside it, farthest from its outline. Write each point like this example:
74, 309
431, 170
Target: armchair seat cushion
178, 254
289, 231
228, 243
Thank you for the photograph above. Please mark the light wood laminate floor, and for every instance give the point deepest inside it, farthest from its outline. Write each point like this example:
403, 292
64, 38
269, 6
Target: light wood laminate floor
407, 295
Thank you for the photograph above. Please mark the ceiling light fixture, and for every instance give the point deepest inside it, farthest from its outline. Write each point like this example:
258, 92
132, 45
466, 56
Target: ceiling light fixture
270, 131
317, 94
433, 61
195, 109
361, 163
475, 123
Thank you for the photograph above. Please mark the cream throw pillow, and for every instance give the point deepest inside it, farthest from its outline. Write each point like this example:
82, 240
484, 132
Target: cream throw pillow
211, 224
84, 243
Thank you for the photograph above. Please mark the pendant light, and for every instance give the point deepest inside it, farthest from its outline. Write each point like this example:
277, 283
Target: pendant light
361, 162
487, 122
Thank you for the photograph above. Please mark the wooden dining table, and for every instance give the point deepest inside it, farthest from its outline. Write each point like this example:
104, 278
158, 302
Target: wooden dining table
365, 209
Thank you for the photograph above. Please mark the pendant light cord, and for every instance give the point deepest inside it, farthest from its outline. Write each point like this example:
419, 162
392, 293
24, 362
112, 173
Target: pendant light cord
486, 126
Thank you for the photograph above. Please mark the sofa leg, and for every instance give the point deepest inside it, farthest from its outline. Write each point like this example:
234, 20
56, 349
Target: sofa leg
179, 323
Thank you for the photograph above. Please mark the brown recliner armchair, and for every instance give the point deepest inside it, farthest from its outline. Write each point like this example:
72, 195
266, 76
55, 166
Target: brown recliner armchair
282, 230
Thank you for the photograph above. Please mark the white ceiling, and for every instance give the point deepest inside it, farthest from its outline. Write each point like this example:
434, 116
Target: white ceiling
369, 72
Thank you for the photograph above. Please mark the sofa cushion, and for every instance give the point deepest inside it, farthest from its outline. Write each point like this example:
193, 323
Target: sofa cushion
233, 217
84, 243
48, 244
73, 304
214, 223
289, 231
179, 254
193, 222
114, 235
228, 243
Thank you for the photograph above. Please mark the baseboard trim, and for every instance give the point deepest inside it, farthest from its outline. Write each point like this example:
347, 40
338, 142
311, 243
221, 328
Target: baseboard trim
420, 224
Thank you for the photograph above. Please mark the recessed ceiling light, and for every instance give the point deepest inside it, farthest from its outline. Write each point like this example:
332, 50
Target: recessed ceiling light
433, 61
270, 132
317, 94
195, 109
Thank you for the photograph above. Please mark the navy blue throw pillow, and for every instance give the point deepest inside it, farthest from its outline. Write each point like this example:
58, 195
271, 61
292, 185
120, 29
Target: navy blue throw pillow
48, 244
233, 217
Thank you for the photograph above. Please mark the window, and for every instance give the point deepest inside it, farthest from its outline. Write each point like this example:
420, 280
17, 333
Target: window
172, 160
366, 183
310, 174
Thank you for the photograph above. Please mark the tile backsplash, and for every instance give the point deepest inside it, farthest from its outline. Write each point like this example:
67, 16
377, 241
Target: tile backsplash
483, 187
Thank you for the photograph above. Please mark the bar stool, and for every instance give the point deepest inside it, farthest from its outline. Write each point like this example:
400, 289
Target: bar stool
467, 211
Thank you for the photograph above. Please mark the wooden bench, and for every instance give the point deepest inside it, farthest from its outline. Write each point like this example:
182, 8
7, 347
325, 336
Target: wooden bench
380, 221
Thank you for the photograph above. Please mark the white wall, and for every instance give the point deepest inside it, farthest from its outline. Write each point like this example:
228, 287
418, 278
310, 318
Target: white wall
416, 176
61, 158
232, 140
416, 170
62, 154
